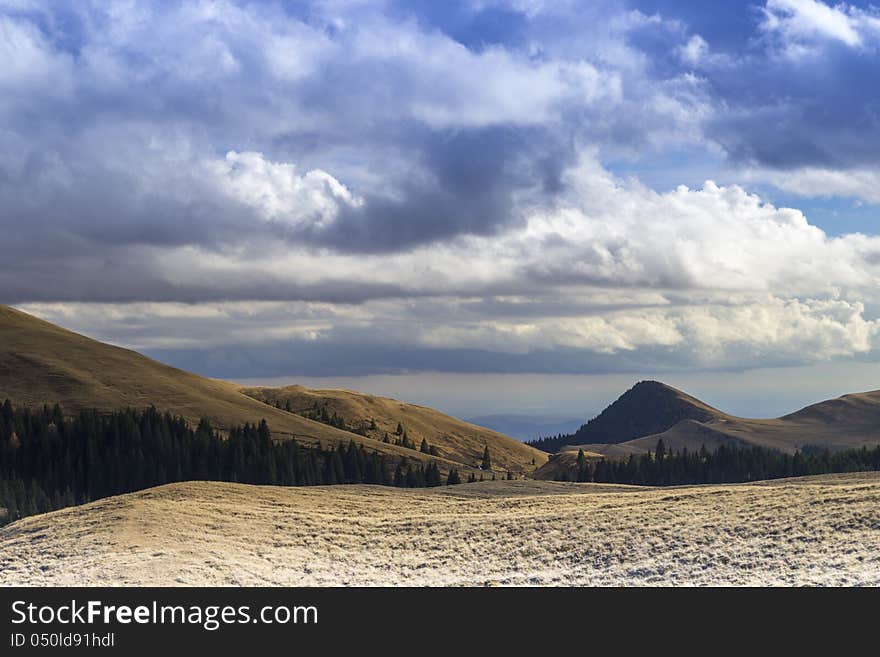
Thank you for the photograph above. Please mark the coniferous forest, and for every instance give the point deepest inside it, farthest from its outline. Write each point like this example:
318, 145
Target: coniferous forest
49, 460
725, 465
320, 413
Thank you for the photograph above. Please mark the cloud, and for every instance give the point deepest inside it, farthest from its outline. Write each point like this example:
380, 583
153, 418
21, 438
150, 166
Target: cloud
383, 187
433, 138
802, 95
602, 232
278, 192
695, 50
272, 339
807, 19
615, 277
815, 181
28, 59
614, 232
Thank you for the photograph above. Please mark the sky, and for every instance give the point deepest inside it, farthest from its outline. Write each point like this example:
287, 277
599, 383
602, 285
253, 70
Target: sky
485, 205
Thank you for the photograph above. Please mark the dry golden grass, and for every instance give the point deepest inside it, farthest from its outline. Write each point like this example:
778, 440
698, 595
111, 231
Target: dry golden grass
813, 531
41, 363
454, 439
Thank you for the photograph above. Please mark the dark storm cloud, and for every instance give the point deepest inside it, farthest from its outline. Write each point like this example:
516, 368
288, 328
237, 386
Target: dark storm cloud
307, 358
425, 186
114, 117
364, 356
473, 176
94, 164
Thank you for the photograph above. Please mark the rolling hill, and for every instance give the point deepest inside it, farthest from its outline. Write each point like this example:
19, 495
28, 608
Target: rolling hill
377, 416
651, 411
812, 530
41, 363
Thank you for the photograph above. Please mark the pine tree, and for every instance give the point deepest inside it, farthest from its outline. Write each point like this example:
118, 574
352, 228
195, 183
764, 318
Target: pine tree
660, 452
432, 475
487, 459
453, 477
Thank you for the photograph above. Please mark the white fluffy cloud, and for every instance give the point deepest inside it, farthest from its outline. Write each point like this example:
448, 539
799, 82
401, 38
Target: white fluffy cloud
614, 232
713, 277
800, 21
244, 158
278, 192
763, 330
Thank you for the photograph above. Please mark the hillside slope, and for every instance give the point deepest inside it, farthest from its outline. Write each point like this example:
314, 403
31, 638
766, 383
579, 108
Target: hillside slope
846, 422
647, 408
378, 416
662, 412
812, 531
41, 363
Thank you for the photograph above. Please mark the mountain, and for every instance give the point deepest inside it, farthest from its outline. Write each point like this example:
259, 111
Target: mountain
41, 363
379, 416
651, 411
647, 408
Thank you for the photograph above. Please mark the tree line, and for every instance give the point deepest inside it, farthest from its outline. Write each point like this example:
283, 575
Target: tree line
727, 464
49, 460
550, 444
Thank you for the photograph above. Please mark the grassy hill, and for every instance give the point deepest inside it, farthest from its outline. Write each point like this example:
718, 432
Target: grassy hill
564, 465
647, 408
379, 416
813, 531
41, 363
651, 411
849, 421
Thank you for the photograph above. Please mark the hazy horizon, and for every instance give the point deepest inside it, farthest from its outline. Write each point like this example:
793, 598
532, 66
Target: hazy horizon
755, 393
